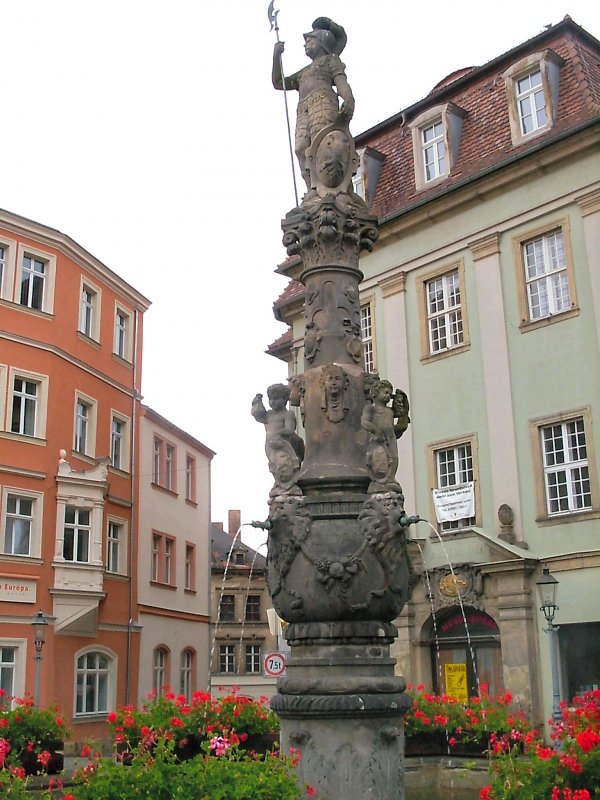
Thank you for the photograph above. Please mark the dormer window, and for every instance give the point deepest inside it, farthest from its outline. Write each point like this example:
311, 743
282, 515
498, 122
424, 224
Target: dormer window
532, 104
434, 150
532, 90
436, 142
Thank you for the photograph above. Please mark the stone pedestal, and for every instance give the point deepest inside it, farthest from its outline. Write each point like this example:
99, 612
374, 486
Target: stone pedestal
342, 708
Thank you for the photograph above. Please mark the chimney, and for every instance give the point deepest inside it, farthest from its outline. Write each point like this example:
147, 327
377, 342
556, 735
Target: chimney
235, 521
218, 525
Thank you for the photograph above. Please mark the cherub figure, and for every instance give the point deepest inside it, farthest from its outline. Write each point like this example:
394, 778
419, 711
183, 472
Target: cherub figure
318, 104
384, 424
283, 446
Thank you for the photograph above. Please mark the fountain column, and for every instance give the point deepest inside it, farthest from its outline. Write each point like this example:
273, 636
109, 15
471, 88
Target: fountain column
338, 567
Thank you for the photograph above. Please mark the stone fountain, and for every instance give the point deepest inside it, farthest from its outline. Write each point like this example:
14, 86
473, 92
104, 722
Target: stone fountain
338, 568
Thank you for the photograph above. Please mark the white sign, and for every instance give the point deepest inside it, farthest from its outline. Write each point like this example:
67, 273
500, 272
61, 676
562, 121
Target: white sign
17, 590
455, 502
274, 665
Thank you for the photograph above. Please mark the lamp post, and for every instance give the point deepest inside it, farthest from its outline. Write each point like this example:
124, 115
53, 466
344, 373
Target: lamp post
547, 589
40, 623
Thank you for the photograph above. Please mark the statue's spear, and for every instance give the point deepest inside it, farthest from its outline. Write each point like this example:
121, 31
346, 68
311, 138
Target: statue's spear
273, 20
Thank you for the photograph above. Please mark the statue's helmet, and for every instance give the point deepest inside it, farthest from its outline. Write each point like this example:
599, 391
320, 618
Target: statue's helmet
325, 38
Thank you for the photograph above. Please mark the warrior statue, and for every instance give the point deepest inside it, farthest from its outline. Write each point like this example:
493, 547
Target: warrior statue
318, 105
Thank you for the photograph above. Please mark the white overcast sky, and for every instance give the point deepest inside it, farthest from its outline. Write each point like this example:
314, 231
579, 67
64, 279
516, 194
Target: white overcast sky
150, 133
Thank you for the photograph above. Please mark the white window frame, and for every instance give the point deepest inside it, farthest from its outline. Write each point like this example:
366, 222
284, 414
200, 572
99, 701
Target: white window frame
90, 311
170, 466
116, 546
444, 313
81, 534
227, 659
155, 557
548, 64
49, 261
22, 515
463, 471
7, 269
18, 671
160, 669
122, 333
89, 428
190, 567
546, 252
528, 101
35, 533
572, 474
108, 673
124, 461
462, 476
190, 478
41, 405
253, 658
450, 117
367, 335
433, 151
169, 560
186, 673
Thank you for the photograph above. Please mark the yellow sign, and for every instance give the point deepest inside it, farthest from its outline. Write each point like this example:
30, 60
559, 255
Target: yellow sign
456, 681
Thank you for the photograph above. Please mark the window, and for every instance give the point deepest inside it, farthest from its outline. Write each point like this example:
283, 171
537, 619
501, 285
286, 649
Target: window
115, 540
227, 608
566, 473
531, 102
93, 678
436, 141
253, 608
169, 550
239, 557
546, 275
157, 460
33, 275
226, 658
253, 660
433, 146
162, 567
186, 674
366, 334
18, 526
156, 544
453, 464
122, 338
532, 86
82, 413
160, 663
190, 478
8, 663
2, 267
119, 455
76, 535
21, 517
170, 467
24, 406
27, 402
89, 311
444, 313
190, 567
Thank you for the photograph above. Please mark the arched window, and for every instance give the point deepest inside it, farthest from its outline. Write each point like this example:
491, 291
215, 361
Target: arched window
186, 674
160, 670
95, 683
477, 654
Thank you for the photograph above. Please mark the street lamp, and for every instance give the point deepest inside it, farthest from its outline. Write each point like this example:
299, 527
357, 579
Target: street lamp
547, 589
40, 623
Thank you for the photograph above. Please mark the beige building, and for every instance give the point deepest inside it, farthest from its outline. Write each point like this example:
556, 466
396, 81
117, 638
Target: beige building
481, 300
240, 629
173, 569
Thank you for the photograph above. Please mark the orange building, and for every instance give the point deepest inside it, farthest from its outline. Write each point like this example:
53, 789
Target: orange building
70, 372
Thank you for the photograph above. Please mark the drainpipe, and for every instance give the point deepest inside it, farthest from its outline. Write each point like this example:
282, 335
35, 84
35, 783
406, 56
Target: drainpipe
133, 519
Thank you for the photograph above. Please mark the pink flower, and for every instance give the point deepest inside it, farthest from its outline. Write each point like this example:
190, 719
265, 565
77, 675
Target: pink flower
485, 793
310, 790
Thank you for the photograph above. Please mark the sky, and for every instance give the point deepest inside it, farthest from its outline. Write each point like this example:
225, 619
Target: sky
151, 134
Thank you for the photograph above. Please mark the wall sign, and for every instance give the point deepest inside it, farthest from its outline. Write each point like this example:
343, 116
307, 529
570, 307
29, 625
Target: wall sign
17, 589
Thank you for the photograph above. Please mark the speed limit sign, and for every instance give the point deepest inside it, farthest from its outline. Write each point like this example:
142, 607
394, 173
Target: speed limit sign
274, 665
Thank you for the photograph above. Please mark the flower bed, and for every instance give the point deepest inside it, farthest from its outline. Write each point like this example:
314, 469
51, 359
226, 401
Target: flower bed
440, 724
566, 769
31, 739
